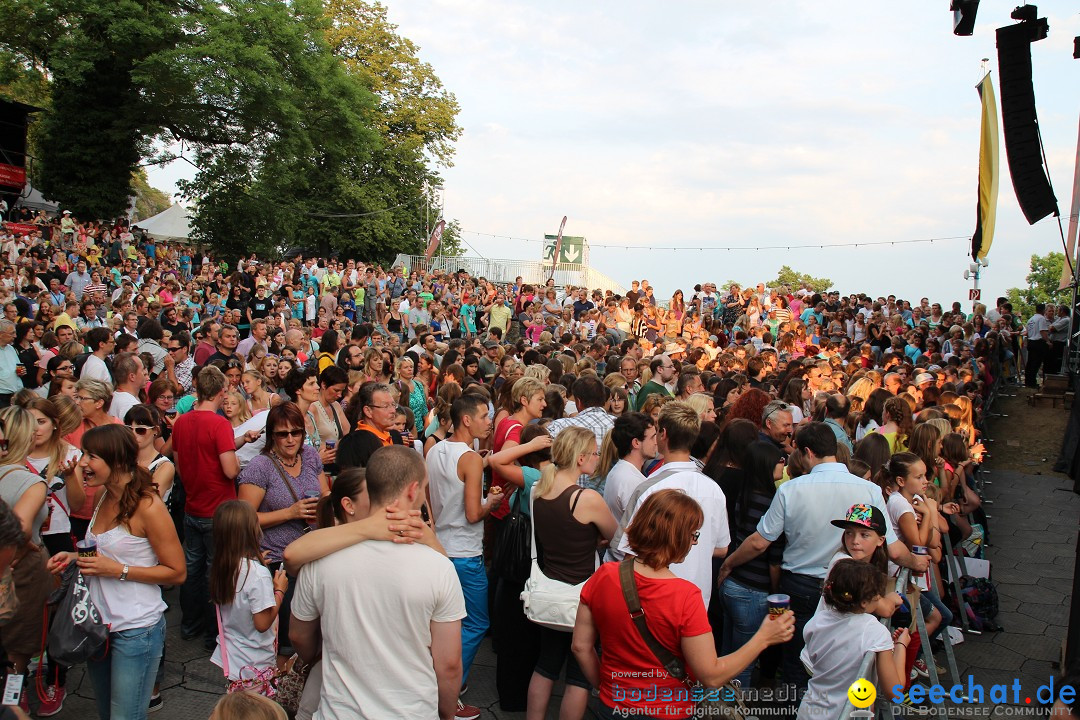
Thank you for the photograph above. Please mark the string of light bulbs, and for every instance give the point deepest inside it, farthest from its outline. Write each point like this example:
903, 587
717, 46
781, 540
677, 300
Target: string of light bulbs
785, 246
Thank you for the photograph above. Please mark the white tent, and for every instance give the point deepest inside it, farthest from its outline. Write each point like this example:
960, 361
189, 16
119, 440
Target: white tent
173, 225
32, 198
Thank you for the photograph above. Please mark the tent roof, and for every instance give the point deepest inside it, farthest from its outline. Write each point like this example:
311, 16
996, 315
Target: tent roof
32, 198
171, 225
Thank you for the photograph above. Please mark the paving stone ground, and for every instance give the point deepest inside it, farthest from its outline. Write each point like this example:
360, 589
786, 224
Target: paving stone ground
1032, 553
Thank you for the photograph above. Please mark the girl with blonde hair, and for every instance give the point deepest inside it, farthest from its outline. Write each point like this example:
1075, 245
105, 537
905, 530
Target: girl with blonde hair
569, 523
235, 408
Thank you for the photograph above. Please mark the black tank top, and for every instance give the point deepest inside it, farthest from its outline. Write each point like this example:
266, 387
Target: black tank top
566, 548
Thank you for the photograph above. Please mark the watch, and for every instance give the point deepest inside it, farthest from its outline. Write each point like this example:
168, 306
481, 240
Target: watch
124, 574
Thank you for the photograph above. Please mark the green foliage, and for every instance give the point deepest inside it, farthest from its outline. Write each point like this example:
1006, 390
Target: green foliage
149, 201
1042, 285
413, 111
451, 245
310, 125
795, 280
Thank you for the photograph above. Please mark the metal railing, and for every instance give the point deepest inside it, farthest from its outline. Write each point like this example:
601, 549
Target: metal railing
533, 272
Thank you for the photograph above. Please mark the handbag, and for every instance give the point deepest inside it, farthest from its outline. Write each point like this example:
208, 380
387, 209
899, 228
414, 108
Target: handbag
283, 686
549, 603
513, 547
724, 701
9, 603
77, 631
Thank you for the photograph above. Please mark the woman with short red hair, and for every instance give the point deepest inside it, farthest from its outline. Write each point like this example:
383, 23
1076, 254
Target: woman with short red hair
664, 529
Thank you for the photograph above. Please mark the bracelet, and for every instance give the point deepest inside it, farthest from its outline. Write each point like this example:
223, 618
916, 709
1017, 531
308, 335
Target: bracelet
279, 591
900, 643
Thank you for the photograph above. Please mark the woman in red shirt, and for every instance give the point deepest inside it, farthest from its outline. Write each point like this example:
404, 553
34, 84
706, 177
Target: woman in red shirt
630, 679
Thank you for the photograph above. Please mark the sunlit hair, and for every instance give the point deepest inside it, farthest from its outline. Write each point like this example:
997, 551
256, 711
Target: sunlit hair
69, 413
663, 528
243, 411
923, 442
96, 390
524, 389
56, 448
571, 444
237, 537
247, 706
19, 426
680, 423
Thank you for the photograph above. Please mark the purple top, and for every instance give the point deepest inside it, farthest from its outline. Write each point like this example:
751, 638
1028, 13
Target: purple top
262, 472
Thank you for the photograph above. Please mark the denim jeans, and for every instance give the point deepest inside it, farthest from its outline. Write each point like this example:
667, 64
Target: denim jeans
474, 585
744, 609
124, 679
196, 616
932, 598
805, 591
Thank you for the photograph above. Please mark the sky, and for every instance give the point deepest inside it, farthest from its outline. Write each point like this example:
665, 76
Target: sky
698, 124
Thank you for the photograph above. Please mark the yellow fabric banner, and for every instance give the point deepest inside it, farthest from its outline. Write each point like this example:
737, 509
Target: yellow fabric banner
988, 172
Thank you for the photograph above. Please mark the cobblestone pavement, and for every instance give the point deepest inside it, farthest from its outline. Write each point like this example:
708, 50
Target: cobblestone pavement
1033, 545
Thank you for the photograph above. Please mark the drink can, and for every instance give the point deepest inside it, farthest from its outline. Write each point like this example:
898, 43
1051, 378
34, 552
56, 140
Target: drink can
330, 444
778, 604
86, 548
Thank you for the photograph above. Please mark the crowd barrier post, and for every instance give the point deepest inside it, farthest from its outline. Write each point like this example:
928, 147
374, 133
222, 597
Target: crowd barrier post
864, 668
928, 652
950, 656
955, 565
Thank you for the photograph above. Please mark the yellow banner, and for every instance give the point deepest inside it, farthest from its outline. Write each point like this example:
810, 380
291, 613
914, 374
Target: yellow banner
988, 172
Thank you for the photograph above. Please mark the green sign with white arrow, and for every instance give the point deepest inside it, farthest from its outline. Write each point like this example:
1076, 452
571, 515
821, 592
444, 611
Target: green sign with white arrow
573, 249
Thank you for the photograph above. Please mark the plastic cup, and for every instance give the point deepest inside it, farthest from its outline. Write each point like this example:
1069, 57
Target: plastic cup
778, 605
331, 444
86, 548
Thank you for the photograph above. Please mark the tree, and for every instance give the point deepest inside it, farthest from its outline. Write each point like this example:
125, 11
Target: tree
413, 110
795, 280
149, 201
1042, 285
450, 245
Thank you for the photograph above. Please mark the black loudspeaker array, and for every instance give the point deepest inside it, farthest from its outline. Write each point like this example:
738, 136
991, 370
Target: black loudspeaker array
1021, 124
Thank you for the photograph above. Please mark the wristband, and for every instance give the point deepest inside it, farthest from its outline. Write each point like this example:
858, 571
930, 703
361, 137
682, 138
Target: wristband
280, 591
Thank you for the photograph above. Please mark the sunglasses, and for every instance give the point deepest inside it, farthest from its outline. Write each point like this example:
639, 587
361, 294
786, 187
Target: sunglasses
140, 429
282, 434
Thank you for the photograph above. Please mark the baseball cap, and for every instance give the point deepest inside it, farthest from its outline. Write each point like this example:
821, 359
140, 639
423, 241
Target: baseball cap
863, 516
924, 378
490, 344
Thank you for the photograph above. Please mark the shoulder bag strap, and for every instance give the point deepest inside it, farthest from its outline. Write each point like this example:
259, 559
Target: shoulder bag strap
221, 642
532, 522
672, 664
285, 477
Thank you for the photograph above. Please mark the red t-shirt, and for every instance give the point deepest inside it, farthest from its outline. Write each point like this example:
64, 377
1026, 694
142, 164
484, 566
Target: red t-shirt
509, 429
631, 678
199, 438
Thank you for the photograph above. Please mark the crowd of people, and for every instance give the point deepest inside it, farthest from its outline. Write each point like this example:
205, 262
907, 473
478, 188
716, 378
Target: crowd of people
325, 455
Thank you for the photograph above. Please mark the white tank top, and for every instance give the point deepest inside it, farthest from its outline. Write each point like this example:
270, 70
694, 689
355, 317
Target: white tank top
125, 604
461, 538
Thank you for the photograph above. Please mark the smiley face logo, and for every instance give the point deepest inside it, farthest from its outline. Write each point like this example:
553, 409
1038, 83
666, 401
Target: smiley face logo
862, 693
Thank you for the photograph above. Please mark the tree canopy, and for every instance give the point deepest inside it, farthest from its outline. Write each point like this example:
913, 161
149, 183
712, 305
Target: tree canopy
795, 280
1042, 285
310, 123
